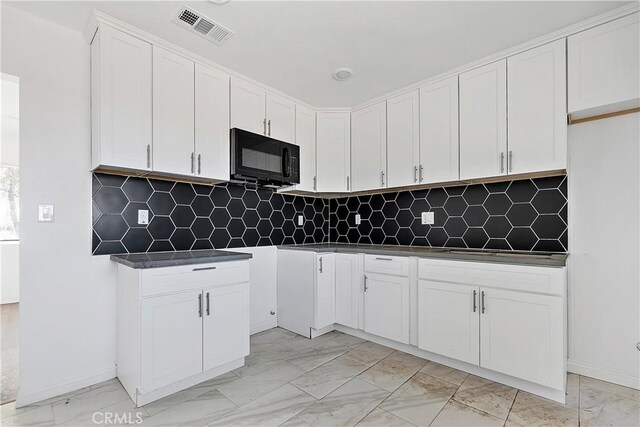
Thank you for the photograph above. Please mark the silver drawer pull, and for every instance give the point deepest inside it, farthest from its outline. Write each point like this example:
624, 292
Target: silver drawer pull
204, 268
384, 259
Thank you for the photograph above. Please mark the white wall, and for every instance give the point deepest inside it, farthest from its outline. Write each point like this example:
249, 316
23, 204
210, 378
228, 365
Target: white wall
67, 297
9, 272
604, 242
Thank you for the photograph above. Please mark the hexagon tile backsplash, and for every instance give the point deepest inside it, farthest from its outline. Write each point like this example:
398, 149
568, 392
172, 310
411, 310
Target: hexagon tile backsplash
526, 215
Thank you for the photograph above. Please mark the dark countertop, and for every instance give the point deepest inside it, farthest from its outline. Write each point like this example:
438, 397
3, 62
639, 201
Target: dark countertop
541, 259
172, 259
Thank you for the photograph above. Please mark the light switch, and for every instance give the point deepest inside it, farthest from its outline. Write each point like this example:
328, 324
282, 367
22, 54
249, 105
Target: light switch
428, 218
358, 219
143, 217
300, 220
45, 213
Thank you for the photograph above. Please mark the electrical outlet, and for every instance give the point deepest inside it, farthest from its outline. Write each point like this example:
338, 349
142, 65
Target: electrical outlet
300, 220
428, 218
358, 219
45, 213
143, 217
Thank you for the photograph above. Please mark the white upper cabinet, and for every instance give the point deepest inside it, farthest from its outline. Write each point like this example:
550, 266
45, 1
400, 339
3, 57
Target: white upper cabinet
173, 113
604, 64
211, 123
281, 118
439, 142
121, 100
247, 107
333, 148
537, 129
483, 121
403, 139
306, 140
369, 148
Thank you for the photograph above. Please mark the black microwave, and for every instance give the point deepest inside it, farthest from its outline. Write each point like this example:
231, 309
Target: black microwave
263, 160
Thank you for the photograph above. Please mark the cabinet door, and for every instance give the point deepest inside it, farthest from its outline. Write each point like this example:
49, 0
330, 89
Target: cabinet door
386, 307
121, 100
173, 113
333, 148
521, 335
247, 107
369, 148
171, 338
281, 118
212, 123
403, 139
225, 324
306, 140
604, 64
483, 121
536, 81
325, 291
448, 320
348, 289
439, 140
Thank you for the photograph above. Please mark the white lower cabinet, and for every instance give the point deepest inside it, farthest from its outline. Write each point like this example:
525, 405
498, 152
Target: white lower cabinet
348, 289
386, 307
179, 326
325, 292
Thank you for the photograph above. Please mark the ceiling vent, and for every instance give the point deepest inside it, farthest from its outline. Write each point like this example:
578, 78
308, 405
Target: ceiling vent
202, 25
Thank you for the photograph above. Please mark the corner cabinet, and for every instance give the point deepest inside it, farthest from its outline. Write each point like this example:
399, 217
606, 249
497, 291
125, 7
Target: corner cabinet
333, 152
369, 148
179, 326
121, 101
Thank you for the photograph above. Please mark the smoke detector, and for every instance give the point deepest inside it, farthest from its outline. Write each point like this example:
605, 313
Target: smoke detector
342, 74
203, 26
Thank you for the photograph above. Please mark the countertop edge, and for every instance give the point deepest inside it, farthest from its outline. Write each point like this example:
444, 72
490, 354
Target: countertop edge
141, 265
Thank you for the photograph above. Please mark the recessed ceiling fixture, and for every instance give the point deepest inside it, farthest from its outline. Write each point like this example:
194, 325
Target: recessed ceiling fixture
342, 74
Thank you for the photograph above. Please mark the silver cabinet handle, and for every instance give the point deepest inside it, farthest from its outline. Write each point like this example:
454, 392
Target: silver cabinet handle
199, 164
264, 126
482, 301
347, 183
415, 174
320, 264
502, 162
384, 259
148, 155
421, 169
204, 268
193, 155
382, 178
365, 283
269, 127
315, 183
510, 161
474, 300
200, 305
208, 305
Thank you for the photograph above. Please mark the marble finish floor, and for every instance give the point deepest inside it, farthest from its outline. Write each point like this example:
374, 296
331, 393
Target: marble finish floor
338, 380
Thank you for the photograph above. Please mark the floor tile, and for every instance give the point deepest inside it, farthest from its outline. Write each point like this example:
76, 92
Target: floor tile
328, 377
312, 357
456, 414
444, 373
194, 412
380, 418
420, 399
301, 343
88, 402
369, 353
271, 409
572, 393
272, 336
295, 422
392, 371
345, 406
487, 396
268, 357
251, 387
120, 414
603, 403
531, 410
40, 416
342, 340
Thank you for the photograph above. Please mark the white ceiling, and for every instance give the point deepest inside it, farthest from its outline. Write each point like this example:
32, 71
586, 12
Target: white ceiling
295, 46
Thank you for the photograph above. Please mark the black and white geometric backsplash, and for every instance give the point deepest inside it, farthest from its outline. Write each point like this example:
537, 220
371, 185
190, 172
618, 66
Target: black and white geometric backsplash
528, 215
190, 216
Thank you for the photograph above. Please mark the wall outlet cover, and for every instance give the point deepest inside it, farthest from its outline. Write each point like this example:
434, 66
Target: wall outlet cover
45, 213
428, 218
143, 217
358, 219
300, 220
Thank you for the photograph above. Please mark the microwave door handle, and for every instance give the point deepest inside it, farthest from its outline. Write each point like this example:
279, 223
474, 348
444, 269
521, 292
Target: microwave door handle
286, 157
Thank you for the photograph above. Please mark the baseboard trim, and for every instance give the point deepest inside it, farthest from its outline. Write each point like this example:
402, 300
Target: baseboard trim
263, 326
603, 374
25, 399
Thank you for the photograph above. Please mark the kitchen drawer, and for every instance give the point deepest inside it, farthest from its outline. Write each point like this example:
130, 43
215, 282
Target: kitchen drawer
382, 264
549, 280
156, 281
